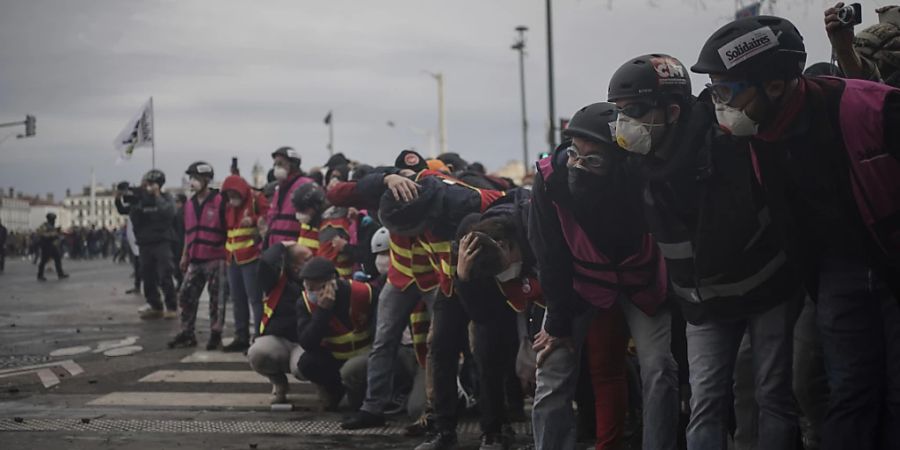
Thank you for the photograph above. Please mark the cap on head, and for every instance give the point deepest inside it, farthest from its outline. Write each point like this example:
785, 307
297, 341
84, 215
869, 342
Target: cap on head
318, 268
410, 159
655, 75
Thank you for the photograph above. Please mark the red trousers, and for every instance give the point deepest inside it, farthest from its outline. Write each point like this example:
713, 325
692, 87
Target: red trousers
606, 350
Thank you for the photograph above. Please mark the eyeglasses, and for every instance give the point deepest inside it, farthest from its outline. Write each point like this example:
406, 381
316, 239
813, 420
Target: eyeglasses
724, 92
589, 161
636, 110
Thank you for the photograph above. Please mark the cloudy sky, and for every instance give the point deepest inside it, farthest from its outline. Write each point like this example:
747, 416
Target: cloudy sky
241, 78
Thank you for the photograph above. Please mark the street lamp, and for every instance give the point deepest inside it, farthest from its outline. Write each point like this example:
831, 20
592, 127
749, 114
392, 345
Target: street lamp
551, 138
520, 47
442, 122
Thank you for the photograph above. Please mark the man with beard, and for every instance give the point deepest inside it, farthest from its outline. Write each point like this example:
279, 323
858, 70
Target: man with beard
597, 260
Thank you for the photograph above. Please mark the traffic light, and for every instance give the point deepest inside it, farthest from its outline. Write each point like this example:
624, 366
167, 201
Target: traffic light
29, 125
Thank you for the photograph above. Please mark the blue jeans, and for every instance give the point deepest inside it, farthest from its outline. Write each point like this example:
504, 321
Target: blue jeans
553, 418
247, 297
392, 317
859, 321
712, 352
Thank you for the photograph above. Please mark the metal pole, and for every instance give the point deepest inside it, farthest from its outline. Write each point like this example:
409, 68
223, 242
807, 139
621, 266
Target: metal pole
12, 124
153, 138
331, 137
520, 46
442, 120
551, 139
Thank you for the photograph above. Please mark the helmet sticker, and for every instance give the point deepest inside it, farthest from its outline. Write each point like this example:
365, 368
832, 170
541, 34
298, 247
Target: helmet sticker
411, 159
747, 46
291, 153
669, 71
203, 168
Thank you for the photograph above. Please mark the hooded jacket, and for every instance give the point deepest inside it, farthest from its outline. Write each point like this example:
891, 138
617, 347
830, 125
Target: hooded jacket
243, 239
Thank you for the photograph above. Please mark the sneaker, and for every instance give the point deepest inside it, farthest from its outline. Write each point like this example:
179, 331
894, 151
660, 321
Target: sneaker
183, 339
444, 440
362, 419
170, 314
237, 345
215, 341
279, 393
147, 312
494, 441
63, 276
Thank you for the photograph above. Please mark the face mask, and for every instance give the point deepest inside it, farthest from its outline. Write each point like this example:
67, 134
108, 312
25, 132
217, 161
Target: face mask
383, 263
511, 272
280, 173
196, 185
149, 189
235, 202
313, 297
303, 217
633, 135
735, 121
584, 184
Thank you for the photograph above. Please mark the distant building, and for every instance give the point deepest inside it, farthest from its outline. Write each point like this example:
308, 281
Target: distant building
14, 211
101, 212
41, 207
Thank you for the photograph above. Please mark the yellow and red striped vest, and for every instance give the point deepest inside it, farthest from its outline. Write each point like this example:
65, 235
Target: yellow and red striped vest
342, 262
410, 265
270, 302
240, 244
309, 238
419, 324
346, 342
519, 292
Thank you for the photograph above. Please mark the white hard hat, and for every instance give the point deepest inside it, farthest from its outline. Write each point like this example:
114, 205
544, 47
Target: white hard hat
381, 240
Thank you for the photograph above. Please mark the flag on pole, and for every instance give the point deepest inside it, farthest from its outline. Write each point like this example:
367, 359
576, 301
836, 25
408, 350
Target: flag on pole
328, 118
138, 132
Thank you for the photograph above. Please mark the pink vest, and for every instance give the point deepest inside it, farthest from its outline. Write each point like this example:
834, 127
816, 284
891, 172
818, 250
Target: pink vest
283, 226
204, 230
641, 276
874, 173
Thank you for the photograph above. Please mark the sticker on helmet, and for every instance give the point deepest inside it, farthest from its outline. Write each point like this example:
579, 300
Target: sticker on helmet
204, 168
669, 71
411, 159
747, 46
291, 153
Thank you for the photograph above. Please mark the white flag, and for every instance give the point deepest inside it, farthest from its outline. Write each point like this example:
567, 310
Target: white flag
138, 132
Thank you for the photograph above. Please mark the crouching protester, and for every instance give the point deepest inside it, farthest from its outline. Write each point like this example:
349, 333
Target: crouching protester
496, 280
245, 209
600, 270
276, 352
826, 150
727, 262
335, 324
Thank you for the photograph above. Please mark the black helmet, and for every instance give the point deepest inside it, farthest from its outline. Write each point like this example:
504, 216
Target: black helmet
655, 75
51, 216
759, 48
289, 153
309, 195
155, 176
200, 168
593, 122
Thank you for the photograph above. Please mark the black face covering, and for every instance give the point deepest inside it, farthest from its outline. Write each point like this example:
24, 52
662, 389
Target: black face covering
586, 186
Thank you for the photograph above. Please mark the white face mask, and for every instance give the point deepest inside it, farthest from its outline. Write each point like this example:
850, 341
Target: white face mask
280, 173
633, 135
303, 217
196, 185
735, 121
510, 273
236, 202
383, 263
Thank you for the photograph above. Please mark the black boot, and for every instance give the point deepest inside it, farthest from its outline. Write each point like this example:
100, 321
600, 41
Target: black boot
237, 345
215, 340
183, 339
362, 419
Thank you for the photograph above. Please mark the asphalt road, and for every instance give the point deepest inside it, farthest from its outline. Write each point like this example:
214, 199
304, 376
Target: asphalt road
59, 390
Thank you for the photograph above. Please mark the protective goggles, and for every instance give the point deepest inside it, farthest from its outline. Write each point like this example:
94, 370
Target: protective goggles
636, 110
589, 161
724, 92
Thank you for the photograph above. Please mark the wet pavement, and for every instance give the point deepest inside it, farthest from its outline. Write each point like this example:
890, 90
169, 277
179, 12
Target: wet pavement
60, 386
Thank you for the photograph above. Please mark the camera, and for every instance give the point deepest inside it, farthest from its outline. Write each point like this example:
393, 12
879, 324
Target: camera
850, 15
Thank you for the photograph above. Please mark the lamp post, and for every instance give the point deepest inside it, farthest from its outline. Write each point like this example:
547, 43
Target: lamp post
551, 138
442, 120
519, 45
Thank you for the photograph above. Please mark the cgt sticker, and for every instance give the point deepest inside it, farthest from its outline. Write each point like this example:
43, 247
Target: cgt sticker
747, 46
411, 159
669, 70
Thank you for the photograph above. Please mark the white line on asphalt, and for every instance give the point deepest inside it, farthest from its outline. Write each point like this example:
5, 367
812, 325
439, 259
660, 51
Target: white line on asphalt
32, 368
214, 357
193, 399
48, 378
72, 367
210, 376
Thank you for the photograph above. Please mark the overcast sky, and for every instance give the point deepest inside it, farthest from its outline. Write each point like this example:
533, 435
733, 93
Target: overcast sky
241, 78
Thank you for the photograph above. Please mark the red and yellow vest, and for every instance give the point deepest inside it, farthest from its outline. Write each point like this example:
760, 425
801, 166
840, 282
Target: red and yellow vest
309, 238
410, 265
342, 262
270, 302
419, 324
346, 342
519, 292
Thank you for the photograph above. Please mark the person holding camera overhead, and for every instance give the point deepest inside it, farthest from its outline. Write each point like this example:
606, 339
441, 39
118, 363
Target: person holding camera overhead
874, 53
151, 212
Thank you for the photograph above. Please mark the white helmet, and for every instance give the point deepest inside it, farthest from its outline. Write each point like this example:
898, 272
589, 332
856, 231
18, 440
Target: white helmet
381, 240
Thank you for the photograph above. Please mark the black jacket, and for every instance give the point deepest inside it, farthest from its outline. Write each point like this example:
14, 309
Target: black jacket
151, 216
313, 327
272, 266
615, 225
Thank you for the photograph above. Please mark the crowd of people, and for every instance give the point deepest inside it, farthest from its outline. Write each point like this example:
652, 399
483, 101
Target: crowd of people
720, 270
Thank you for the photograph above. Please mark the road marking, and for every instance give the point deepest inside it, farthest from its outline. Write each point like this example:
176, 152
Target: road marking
48, 378
214, 357
211, 376
123, 351
194, 399
26, 369
109, 345
70, 351
71, 367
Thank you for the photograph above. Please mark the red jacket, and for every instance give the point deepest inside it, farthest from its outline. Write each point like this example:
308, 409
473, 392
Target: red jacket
242, 244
